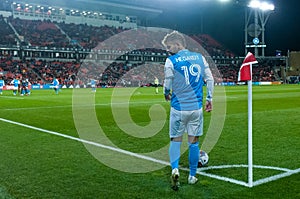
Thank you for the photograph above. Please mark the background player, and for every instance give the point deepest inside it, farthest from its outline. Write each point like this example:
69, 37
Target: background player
16, 84
55, 85
156, 84
185, 72
2, 84
24, 87
93, 85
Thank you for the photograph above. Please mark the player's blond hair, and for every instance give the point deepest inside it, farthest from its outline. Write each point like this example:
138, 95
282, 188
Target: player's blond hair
173, 37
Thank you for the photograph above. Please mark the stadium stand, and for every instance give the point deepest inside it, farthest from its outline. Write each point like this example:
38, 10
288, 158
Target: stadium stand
45, 48
87, 36
7, 36
40, 33
212, 46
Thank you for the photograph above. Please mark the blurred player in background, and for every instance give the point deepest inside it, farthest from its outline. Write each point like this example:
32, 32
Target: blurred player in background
93, 85
156, 84
16, 85
24, 87
185, 72
55, 85
2, 84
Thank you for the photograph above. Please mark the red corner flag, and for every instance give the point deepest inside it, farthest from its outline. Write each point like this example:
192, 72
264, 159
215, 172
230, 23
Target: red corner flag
245, 73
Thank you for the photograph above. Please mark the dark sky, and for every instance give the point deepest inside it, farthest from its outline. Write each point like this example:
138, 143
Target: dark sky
283, 27
226, 22
223, 21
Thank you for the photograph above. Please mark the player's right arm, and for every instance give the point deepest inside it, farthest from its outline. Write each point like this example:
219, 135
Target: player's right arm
169, 74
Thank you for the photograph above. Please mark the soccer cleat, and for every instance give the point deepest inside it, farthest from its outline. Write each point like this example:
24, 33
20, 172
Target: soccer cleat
175, 179
192, 180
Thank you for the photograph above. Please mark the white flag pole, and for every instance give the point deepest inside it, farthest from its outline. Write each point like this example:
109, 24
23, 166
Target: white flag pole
250, 156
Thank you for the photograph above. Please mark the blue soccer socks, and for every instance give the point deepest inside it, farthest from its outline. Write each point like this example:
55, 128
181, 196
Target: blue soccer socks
174, 153
193, 157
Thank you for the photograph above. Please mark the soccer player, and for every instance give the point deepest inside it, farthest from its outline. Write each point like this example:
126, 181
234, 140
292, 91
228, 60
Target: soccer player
2, 84
16, 83
156, 84
185, 73
24, 87
55, 85
93, 85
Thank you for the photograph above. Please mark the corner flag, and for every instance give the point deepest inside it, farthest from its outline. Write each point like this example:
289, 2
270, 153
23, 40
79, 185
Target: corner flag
245, 73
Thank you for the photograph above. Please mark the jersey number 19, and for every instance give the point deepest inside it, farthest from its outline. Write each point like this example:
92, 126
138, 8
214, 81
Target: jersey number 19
193, 70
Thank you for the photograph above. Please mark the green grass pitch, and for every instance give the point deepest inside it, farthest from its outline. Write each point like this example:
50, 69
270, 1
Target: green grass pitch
36, 164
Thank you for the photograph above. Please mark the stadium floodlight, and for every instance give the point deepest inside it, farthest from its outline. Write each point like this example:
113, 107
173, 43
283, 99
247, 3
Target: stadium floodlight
259, 11
265, 6
262, 5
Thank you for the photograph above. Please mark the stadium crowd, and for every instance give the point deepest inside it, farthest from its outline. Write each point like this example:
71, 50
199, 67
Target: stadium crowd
107, 72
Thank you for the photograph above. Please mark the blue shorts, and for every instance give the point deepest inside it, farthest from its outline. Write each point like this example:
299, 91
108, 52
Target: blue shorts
186, 121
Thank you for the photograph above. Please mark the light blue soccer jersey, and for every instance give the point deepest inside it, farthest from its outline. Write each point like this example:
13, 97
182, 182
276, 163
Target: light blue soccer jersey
55, 82
93, 82
15, 82
187, 71
2, 83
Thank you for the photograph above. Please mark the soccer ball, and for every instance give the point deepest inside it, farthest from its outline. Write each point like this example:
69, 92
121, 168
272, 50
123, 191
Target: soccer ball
203, 159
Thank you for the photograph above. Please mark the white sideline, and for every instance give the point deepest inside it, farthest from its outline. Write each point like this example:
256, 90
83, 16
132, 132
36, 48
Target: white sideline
286, 173
87, 142
200, 171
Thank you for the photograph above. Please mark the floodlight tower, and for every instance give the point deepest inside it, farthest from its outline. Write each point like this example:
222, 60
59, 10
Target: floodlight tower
257, 14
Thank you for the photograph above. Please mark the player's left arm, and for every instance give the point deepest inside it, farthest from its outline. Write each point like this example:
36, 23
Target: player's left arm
208, 77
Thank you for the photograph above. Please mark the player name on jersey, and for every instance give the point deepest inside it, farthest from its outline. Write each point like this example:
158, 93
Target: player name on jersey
187, 58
